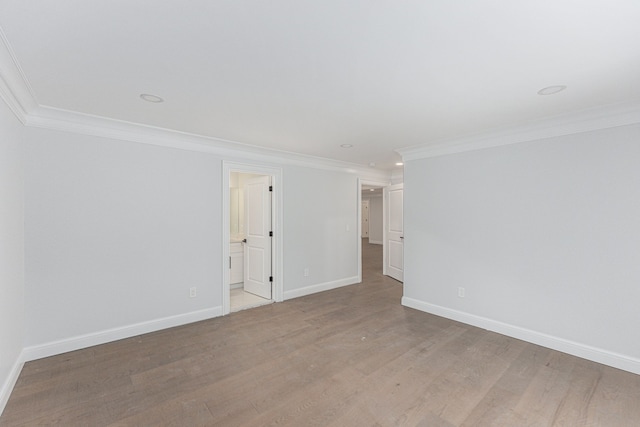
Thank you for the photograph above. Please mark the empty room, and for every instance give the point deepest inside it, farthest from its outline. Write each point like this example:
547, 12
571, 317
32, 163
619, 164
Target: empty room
335, 213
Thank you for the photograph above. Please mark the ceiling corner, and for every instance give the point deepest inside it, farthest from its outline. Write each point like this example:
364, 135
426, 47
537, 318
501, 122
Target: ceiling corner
14, 86
586, 120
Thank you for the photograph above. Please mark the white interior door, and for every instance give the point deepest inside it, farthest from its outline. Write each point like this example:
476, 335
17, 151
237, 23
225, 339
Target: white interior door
365, 218
257, 248
393, 232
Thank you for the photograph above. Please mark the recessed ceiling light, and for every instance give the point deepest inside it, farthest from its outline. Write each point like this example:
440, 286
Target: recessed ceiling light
151, 98
346, 146
550, 90
399, 163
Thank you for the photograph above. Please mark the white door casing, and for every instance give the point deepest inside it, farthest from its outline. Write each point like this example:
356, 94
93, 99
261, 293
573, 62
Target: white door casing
393, 232
257, 248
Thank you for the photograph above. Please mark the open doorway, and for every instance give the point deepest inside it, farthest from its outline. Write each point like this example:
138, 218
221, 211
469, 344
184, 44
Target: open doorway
252, 240
250, 259
371, 228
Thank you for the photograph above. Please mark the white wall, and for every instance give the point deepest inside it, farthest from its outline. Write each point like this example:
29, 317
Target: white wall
319, 205
544, 237
375, 219
11, 251
116, 234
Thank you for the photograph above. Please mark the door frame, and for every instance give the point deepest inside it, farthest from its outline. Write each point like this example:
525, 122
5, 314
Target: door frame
276, 218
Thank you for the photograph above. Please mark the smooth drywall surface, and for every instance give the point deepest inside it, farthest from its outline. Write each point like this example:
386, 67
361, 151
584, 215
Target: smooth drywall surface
12, 322
116, 234
375, 220
320, 227
543, 236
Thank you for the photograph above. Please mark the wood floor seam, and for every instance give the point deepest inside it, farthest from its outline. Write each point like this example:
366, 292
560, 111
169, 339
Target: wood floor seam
350, 356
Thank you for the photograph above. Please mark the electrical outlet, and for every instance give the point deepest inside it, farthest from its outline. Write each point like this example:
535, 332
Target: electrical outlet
461, 292
306, 272
193, 292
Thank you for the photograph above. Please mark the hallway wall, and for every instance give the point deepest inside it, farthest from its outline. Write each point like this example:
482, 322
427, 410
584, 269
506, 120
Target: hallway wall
375, 220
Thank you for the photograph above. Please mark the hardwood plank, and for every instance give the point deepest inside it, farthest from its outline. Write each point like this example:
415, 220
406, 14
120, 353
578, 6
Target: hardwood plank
347, 357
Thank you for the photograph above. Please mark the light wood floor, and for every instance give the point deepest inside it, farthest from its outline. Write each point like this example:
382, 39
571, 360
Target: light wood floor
348, 357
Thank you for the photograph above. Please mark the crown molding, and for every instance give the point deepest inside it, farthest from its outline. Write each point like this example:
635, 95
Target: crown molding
15, 89
397, 176
603, 117
86, 124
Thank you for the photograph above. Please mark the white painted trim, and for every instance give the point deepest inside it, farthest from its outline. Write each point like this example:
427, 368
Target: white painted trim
17, 92
603, 117
375, 242
10, 99
385, 200
320, 287
14, 86
10, 382
381, 184
584, 351
226, 240
359, 231
87, 124
114, 334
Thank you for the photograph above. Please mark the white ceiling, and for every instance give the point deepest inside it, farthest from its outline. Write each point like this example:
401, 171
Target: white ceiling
308, 76
369, 191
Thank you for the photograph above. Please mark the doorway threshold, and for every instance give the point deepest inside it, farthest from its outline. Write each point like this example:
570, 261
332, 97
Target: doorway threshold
241, 300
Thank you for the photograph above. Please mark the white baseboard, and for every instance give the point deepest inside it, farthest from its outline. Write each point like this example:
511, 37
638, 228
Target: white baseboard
10, 382
308, 290
101, 337
620, 361
375, 242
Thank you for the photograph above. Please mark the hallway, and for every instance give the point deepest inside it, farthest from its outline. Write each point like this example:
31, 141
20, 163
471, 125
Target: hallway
371, 260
